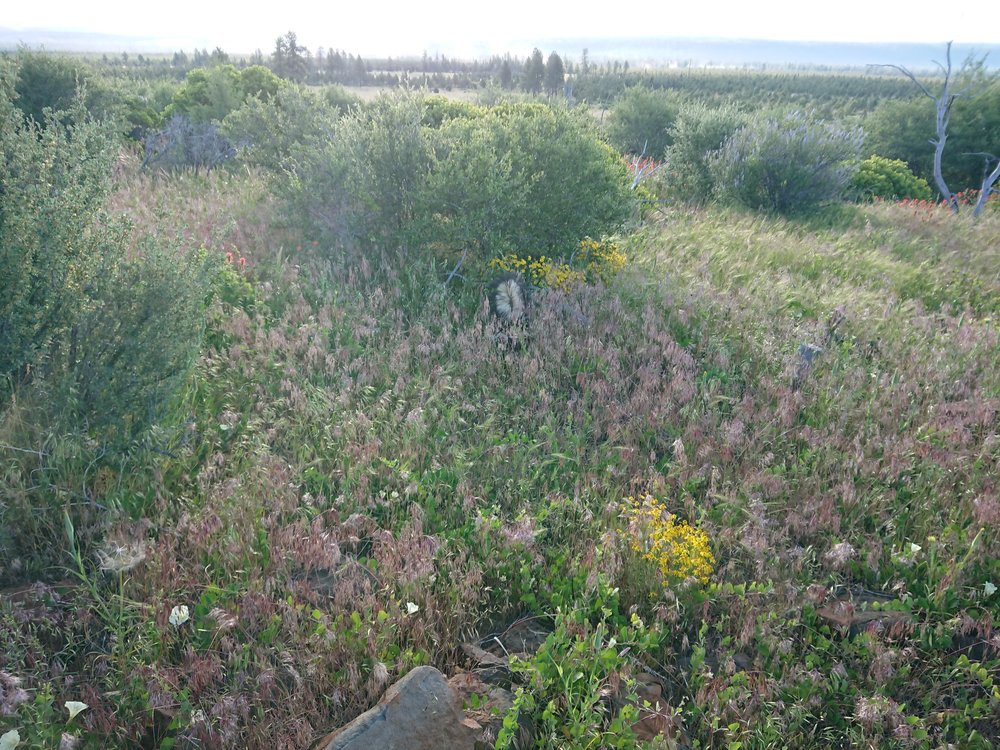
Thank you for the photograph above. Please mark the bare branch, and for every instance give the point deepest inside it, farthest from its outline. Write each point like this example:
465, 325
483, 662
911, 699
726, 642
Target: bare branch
906, 73
987, 189
40, 454
641, 170
454, 271
946, 71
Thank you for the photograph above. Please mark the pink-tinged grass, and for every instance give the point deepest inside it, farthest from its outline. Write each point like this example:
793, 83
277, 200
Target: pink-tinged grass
354, 443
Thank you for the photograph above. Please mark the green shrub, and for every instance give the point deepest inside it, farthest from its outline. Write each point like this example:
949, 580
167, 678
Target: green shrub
366, 181
640, 122
439, 109
95, 338
54, 179
901, 129
891, 179
259, 81
209, 94
524, 176
48, 81
490, 181
786, 165
130, 343
106, 332
697, 133
340, 99
267, 130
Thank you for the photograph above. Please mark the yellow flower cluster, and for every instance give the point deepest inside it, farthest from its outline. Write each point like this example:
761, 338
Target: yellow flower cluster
541, 271
677, 549
594, 261
603, 260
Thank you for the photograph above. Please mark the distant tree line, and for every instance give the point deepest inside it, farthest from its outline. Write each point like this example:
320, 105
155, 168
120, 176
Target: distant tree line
145, 94
835, 94
533, 74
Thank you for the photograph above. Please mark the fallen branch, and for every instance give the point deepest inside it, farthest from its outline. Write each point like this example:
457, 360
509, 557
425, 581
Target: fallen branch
454, 271
40, 454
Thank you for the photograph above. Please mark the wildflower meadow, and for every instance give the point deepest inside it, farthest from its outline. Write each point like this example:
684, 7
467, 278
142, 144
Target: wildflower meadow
738, 477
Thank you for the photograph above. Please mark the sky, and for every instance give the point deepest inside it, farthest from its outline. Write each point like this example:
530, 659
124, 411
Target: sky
470, 28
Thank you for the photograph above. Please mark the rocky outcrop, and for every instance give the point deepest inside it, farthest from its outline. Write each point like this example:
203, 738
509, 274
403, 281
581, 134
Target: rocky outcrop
420, 712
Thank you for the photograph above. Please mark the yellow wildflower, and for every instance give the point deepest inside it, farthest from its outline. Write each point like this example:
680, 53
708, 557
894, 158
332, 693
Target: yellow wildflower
678, 550
594, 261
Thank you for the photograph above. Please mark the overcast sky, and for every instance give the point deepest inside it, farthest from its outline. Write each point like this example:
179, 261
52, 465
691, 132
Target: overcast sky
409, 26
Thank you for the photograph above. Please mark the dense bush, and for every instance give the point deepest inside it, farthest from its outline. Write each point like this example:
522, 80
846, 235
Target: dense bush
698, 132
79, 312
53, 179
523, 177
183, 142
191, 136
268, 130
365, 181
94, 338
512, 177
45, 80
132, 340
787, 165
640, 121
209, 94
439, 109
340, 98
891, 179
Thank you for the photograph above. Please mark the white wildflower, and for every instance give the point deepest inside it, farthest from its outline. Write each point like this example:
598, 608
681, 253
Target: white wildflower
75, 707
906, 555
179, 615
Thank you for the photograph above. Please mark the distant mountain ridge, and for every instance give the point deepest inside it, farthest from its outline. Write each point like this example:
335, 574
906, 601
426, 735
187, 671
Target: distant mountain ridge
87, 41
639, 52
757, 52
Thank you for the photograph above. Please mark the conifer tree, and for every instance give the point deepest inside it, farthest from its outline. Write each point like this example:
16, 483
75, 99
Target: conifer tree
534, 73
555, 74
506, 76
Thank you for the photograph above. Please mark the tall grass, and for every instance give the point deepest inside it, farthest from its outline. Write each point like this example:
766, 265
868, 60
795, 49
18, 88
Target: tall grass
353, 442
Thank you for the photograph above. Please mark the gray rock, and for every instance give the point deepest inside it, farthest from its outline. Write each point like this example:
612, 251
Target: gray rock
420, 712
809, 352
807, 356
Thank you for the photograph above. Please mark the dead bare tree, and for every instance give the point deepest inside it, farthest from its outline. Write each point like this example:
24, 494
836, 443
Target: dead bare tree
643, 167
989, 179
943, 102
